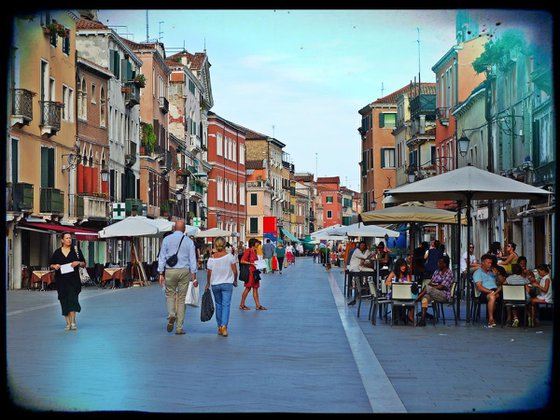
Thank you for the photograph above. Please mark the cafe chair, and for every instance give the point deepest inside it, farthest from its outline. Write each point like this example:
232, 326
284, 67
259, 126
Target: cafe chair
514, 297
377, 301
475, 306
362, 289
439, 307
401, 298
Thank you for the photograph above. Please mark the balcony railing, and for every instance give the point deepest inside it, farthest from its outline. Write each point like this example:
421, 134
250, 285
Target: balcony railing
75, 206
443, 115
163, 104
196, 188
22, 106
50, 116
20, 196
131, 94
86, 205
51, 201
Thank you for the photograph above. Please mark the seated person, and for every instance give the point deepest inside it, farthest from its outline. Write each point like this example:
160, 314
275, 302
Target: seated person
509, 259
400, 274
522, 261
359, 256
485, 281
515, 279
541, 292
439, 288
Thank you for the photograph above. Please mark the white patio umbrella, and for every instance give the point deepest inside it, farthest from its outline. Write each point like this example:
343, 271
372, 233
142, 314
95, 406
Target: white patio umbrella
359, 229
213, 233
326, 234
465, 185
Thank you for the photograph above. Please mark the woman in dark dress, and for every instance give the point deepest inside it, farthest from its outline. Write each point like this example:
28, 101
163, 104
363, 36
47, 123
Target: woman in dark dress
68, 285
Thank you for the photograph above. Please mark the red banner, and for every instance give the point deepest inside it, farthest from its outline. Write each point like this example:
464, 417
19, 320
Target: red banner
269, 224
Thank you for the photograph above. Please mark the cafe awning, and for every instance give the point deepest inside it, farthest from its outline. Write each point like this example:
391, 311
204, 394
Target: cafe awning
81, 234
289, 235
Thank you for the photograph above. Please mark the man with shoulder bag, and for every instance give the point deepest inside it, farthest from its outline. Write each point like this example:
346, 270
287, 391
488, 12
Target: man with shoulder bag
177, 266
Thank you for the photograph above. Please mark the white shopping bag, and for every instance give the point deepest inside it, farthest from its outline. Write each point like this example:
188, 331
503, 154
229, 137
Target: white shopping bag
192, 297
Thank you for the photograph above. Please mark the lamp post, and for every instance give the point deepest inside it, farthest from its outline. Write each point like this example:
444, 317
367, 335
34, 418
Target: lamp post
463, 144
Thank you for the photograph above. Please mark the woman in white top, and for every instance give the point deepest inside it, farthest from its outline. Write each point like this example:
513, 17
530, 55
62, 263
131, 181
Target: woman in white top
222, 276
543, 287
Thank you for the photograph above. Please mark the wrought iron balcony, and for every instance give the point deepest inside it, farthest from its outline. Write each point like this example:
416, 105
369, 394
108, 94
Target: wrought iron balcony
50, 116
163, 104
443, 115
51, 201
22, 106
131, 92
20, 196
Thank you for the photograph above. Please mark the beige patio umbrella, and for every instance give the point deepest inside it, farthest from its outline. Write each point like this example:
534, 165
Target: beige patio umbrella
410, 212
465, 185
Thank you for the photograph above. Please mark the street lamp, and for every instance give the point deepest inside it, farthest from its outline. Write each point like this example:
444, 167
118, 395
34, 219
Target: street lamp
373, 204
411, 174
464, 142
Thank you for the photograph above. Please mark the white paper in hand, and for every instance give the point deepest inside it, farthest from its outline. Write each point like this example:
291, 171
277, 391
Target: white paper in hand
66, 268
261, 264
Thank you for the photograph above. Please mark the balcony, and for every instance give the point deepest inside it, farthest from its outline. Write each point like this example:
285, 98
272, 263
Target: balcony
129, 160
165, 161
22, 106
51, 201
131, 92
88, 205
20, 196
163, 104
442, 115
195, 188
50, 117
423, 105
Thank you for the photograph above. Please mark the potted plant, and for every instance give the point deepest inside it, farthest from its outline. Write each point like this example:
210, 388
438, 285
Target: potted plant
140, 80
148, 137
55, 27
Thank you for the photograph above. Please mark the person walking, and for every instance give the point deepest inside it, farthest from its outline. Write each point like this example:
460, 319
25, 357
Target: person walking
268, 253
176, 278
222, 276
280, 254
249, 258
66, 261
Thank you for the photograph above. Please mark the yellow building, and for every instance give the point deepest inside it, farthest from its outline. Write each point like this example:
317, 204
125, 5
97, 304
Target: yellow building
42, 149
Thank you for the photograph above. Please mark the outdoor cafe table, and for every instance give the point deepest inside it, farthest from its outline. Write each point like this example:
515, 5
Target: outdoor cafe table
43, 276
112, 273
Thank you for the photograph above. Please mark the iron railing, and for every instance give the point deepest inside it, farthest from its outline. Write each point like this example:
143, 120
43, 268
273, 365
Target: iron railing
19, 196
22, 104
163, 104
51, 201
51, 112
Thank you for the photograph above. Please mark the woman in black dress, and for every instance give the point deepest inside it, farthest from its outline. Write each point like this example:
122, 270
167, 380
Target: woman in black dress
68, 285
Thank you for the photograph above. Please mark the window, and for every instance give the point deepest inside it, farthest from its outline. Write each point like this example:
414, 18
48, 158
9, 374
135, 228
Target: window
234, 150
102, 108
242, 194
329, 199
82, 100
242, 154
433, 155
115, 63
192, 87
220, 191
66, 42
15, 161
387, 120
254, 225
234, 197
47, 167
388, 157
219, 144
253, 199
93, 92
329, 214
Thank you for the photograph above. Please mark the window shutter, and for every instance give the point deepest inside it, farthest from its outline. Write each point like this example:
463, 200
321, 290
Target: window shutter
370, 120
112, 185
371, 158
112, 61
44, 167
117, 66
383, 158
381, 120
15, 160
125, 70
124, 193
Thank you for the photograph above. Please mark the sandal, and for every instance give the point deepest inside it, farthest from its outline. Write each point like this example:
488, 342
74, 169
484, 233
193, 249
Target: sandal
245, 308
261, 308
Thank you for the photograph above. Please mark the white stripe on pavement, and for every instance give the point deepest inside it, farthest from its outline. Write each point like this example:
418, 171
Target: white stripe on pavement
381, 394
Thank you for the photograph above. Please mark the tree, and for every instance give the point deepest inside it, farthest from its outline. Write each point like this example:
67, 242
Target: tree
498, 53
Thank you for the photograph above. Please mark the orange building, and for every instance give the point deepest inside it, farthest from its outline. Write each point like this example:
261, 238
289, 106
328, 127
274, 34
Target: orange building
378, 166
227, 178
331, 199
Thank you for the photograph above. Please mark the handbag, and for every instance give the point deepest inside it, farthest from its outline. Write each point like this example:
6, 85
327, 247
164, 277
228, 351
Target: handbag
173, 259
274, 263
257, 275
84, 275
207, 306
244, 272
192, 295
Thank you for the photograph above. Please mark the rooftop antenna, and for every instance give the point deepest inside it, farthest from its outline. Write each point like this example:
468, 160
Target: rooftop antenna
147, 28
204, 44
160, 31
382, 89
316, 173
272, 130
419, 84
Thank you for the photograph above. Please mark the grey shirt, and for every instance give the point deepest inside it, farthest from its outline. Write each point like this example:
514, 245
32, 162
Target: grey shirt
268, 250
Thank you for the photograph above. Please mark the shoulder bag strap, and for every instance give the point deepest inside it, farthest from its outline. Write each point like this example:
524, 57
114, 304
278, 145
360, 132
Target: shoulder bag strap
180, 245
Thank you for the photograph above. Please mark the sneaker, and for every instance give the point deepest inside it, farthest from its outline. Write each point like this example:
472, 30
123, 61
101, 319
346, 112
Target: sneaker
73, 326
180, 332
515, 323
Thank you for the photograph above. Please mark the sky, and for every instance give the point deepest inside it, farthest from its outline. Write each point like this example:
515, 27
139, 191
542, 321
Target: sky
301, 76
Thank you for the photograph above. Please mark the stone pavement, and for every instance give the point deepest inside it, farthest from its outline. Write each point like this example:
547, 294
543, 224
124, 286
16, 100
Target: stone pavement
308, 353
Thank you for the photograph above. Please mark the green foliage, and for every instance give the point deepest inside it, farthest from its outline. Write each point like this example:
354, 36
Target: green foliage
140, 80
497, 53
148, 137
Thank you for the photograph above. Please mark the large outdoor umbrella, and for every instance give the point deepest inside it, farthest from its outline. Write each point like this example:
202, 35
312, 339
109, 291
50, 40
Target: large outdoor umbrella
359, 229
213, 233
465, 185
410, 212
137, 226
